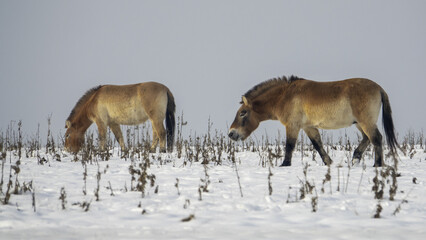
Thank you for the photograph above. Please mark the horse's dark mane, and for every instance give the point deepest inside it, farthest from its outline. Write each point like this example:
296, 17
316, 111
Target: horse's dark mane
82, 100
268, 84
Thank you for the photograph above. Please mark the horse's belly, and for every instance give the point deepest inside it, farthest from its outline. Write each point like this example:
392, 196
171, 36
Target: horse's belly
128, 116
334, 124
332, 118
134, 120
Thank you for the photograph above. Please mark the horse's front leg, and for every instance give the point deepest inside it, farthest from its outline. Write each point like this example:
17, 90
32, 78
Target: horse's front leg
102, 130
291, 135
115, 128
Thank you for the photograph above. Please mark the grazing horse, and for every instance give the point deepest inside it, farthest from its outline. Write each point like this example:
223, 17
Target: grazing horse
303, 104
112, 106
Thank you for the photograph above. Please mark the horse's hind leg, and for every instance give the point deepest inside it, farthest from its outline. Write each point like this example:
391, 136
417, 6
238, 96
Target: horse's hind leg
160, 132
315, 138
377, 142
361, 148
375, 137
155, 140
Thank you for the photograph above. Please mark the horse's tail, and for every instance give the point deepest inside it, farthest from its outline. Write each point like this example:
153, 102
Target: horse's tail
388, 123
170, 121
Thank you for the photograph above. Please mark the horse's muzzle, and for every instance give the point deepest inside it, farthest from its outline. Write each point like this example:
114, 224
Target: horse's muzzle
233, 134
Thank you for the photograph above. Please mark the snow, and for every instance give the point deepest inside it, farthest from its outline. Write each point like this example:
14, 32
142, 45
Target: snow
222, 213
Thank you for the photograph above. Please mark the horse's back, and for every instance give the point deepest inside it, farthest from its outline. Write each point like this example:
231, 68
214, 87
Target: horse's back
130, 104
147, 89
338, 104
354, 90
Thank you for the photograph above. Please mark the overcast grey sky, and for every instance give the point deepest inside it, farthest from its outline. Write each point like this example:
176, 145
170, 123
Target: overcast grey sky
208, 53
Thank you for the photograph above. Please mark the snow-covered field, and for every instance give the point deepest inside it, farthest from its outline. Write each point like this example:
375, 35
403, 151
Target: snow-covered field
240, 201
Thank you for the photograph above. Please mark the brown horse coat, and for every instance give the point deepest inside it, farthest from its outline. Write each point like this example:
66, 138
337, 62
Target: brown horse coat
112, 106
303, 104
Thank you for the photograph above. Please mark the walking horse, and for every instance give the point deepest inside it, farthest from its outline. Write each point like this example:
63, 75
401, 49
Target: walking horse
304, 104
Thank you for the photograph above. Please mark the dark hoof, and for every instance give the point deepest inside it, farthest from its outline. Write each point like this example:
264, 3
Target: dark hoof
285, 164
328, 163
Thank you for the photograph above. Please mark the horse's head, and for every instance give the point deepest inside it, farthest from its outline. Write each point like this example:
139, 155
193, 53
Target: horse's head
245, 122
74, 137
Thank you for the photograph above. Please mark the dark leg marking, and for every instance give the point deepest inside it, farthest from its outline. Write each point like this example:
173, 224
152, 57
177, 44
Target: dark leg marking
289, 147
361, 148
377, 142
315, 138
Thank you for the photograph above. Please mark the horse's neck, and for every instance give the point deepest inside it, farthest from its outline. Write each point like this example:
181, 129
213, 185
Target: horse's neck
269, 101
83, 122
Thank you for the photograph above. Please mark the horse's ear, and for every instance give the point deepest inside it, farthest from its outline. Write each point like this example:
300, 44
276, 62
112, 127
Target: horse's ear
67, 124
246, 102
